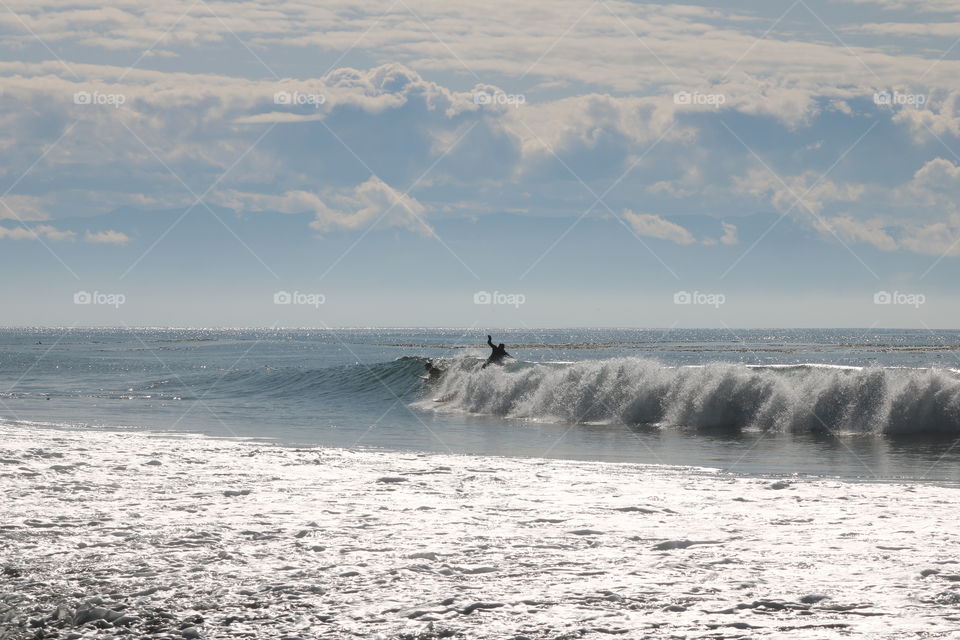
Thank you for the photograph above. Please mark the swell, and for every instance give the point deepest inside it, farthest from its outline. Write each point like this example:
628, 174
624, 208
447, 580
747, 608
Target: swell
397, 378
807, 398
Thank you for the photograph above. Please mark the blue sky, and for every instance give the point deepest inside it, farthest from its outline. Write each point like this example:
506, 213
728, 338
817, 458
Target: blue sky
584, 163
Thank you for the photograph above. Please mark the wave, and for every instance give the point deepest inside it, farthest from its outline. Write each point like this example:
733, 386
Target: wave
805, 398
633, 391
397, 378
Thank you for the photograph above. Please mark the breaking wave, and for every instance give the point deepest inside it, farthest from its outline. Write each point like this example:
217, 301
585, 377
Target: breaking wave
892, 401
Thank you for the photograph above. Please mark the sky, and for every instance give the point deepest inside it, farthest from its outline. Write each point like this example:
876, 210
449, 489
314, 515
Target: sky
480, 164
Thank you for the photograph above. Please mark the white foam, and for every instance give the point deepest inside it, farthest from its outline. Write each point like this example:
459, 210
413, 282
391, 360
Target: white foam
474, 547
805, 397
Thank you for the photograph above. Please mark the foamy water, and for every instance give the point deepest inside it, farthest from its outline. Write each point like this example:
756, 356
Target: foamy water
131, 536
804, 398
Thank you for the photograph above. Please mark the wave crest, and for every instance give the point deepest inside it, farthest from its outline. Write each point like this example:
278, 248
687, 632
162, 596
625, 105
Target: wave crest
640, 391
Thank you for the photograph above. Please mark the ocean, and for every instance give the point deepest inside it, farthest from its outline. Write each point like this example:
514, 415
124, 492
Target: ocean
850, 403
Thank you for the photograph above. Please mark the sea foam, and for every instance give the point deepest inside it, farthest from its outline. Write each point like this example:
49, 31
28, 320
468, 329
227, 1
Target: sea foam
722, 395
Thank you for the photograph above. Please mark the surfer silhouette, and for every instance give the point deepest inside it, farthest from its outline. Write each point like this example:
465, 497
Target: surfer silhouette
433, 372
499, 353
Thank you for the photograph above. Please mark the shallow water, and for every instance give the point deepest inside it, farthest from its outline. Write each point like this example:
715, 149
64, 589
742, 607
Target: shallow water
116, 536
674, 397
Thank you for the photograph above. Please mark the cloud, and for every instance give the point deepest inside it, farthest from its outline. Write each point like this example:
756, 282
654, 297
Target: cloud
33, 233
921, 6
50, 232
808, 191
683, 46
106, 237
23, 207
925, 29
938, 239
939, 117
653, 226
207, 129
688, 185
729, 237
939, 174
418, 130
934, 187
849, 230
371, 203
729, 234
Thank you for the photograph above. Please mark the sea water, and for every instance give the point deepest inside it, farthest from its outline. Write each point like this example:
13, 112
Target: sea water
855, 403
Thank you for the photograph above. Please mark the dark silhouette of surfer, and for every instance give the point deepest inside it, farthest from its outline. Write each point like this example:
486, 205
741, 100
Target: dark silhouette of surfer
433, 372
499, 353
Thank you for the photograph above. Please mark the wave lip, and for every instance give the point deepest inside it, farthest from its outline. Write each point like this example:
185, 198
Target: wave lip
801, 398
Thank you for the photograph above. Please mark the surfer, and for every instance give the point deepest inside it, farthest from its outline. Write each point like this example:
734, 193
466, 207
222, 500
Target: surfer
499, 353
433, 372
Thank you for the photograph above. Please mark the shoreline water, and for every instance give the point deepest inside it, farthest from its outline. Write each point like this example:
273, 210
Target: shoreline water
139, 535
868, 475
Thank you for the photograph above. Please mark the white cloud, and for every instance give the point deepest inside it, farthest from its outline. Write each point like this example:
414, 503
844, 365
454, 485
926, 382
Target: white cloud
23, 207
684, 47
797, 194
689, 184
940, 117
371, 203
33, 233
653, 226
296, 201
935, 187
729, 234
106, 237
729, 237
598, 110
936, 29
938, 239
872, 232
938, 173
922, 6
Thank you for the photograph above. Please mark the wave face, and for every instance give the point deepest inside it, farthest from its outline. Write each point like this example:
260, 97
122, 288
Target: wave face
807, 398
346, 383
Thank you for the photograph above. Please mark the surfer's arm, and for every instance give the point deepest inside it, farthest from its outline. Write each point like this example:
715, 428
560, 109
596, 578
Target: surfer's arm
490, 341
